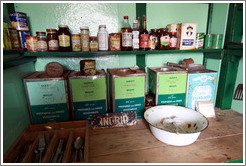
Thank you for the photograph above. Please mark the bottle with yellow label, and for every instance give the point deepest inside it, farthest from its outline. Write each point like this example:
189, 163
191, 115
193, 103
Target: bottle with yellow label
64, 37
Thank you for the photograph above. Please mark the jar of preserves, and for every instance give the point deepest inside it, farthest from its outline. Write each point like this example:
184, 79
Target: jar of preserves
154, 39
42, 42
64, 37
32, 44
52, 40
93, 44
84, 38
164, 39
173, 40
102, 36
76, 44
114, 41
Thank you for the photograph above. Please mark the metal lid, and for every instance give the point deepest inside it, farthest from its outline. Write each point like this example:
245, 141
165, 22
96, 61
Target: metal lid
84, 27
62, 26
102, 26
31, 37
125, 17
51, 30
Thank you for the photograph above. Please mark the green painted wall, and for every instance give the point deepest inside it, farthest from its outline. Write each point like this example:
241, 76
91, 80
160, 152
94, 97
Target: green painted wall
16, 114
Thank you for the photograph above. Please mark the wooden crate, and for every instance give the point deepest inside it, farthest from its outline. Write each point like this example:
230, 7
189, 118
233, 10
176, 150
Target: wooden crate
64, 130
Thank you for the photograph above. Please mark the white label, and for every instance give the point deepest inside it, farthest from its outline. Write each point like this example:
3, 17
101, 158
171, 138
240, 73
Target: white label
126, 39
135, 39
102, 40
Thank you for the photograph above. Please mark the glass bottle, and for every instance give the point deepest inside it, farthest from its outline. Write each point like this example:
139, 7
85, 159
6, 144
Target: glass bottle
52, 40
173, 40
126, 39
135, 35
42, 42
64, 37
93, 44
164, 39
154, 39
144, 36
102, 36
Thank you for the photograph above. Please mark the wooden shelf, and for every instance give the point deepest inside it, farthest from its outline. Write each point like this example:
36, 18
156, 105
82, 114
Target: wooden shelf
101, 53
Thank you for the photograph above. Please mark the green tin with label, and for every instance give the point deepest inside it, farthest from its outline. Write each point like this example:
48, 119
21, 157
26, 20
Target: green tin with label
47, 97
217, 41
88, 94
127, 90
168, 85
208, 41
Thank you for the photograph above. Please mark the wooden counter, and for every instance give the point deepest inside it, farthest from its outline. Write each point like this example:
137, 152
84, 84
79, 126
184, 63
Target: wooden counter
222, 141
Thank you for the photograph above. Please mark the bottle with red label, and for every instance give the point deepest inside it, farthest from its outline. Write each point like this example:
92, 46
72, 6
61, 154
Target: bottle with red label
173, 40
144, 37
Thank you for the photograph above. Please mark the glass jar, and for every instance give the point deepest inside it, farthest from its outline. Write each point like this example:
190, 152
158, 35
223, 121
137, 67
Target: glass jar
173, 40
154, 39
164, 39
42, 42
64, 37
76, 44
52, 40
84, 38
93, 44
102, 36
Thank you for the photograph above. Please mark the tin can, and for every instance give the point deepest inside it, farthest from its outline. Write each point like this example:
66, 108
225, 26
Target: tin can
114, 41
14, 37
76, 45
217, 41
199, 41
22, 37
208, 41
85, 45
18, 20
32, 44
88, 67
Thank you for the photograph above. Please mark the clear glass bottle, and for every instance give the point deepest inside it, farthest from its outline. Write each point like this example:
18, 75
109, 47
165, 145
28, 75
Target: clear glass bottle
126, 32
135, 35
102, 36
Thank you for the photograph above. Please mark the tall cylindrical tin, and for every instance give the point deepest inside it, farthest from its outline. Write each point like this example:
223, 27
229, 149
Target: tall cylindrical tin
199, 41
18, 20
32, 44
208, 41
217, 41
22, 36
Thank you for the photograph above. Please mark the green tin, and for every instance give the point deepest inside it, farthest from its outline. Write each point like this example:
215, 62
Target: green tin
208, 41
217, 41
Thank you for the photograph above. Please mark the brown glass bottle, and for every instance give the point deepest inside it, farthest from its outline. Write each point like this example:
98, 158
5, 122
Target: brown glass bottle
52, 40
164, 39
126, 33
64, 37
144, 37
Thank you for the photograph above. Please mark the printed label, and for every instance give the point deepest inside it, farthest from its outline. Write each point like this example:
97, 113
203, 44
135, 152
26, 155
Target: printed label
64, 40
153, 42
144, 38
188, 35
42, 46
165, 40
76, 45
127, 39
31, 44
135, 39
85, 42
93, 45
53, 45
102, 40
115, 43
199, 43
173, 42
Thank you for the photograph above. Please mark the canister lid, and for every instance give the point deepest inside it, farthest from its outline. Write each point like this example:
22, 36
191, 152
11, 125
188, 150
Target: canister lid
51, 30
84, 27
102, 26
31, 37
62, 26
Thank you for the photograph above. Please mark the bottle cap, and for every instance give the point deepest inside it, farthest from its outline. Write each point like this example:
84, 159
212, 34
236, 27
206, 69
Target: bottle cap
84, 27
62, 26
102, 26
125, 17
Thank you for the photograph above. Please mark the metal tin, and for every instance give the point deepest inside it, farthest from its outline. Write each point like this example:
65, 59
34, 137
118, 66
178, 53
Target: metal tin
168, 85
114, 41
199, 41
14, 37
32, 44
217, 41
76, 44
208, 41
88, 67
127, 90
47, 97
88, 94
23, 35
18, 20
200, 87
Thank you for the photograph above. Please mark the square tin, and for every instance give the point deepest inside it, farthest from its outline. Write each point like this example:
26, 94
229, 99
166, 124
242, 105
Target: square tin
47, 97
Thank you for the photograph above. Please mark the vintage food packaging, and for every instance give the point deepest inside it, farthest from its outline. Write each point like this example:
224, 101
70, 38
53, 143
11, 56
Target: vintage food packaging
88, 94
200, 87
127, 90
47, 97
168, 85
18, 20
186, 33
88, 67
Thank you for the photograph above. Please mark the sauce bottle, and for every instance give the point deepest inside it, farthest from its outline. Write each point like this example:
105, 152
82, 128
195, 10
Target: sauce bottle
154, 39
64, 37
126, 39
164, 39
144, 36
173, 40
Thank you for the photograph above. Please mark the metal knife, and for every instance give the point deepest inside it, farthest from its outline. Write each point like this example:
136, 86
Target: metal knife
58, 151
41, 145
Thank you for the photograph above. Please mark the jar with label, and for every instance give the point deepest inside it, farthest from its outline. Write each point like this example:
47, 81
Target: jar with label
84, 38
126, 35
164, 39
102, 36
32, 44
114, 41
64, 37
173, 40
76, 44
93, 44
52, 40
154, 39
42, 42
135, 35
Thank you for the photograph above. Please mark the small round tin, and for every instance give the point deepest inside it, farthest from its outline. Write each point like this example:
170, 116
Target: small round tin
199, 40
208, 41
32, 44
217, 41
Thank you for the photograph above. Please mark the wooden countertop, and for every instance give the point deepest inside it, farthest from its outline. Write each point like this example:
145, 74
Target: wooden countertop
222, 141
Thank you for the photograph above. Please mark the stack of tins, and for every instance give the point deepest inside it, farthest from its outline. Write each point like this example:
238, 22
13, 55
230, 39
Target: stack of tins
47, 97
127, 90
168, 85
19, 30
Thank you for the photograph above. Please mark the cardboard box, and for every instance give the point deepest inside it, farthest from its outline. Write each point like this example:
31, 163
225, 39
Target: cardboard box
186, 33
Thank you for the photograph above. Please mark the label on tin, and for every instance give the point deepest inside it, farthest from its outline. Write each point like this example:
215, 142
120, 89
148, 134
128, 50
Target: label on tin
153, 42
64, 40
18, 21
114, 43
32, 45
85, 42
53, 45
42, 46
76, 44
14, 38
144, 39
165, 40
135, 39
23, 35
127, 39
